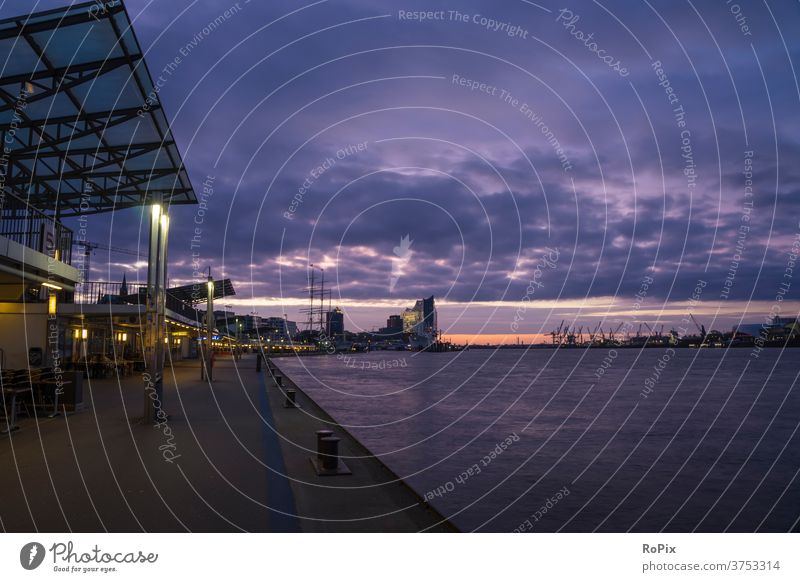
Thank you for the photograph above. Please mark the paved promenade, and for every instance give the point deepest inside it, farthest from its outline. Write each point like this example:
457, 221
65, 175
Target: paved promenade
219, 463
371, 499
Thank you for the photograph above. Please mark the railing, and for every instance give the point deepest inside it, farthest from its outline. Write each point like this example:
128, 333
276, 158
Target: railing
28, 226
105, 293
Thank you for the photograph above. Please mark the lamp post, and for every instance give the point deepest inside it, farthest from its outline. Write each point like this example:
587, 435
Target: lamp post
155, 312
208, 360
238, 339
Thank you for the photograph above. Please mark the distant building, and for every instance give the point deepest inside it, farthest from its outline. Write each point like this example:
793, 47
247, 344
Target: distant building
421, 322
225, 322
430, 324
779, 329
278, 328
334, 322
393, 329
412, 317
251, 324
421, 318
394, 324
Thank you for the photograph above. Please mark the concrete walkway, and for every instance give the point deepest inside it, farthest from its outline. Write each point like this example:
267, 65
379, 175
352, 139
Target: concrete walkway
217, 465
371, 499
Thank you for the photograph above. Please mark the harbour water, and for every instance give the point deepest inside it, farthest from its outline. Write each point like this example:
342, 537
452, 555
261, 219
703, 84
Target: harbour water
542, 440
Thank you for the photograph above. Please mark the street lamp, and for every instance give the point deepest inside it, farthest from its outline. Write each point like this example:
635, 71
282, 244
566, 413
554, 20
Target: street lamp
209, 362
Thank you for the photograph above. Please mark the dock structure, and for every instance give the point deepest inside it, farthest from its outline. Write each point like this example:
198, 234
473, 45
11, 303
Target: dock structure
774, 332
368, 497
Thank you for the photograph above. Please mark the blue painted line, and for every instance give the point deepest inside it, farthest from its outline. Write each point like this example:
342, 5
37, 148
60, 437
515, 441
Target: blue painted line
279, 491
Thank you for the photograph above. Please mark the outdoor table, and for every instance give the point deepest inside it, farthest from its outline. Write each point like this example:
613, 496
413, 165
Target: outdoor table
125, 367
11, 424
56, 384
100, 368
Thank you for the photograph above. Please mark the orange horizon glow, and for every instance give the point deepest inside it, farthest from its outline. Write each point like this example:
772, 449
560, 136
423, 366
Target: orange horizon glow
497, 338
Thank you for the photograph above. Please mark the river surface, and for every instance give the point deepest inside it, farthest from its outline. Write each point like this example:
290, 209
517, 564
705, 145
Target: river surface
540, 440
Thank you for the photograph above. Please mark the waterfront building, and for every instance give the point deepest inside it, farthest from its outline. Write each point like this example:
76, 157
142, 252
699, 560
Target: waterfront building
394, 324
420, 323
430, 323
251, 325
393, 330
412, 317
334, 322
82, 136
775, 329
278, 328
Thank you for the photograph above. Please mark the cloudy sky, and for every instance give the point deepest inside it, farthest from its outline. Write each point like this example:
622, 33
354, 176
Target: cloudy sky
546, 160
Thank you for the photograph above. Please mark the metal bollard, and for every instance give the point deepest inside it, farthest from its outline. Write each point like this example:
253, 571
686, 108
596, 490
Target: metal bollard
321, 434
329, 452
291, 398
259, 357
278, 381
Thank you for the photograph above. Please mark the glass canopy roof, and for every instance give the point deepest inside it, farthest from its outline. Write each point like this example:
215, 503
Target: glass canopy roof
80, 119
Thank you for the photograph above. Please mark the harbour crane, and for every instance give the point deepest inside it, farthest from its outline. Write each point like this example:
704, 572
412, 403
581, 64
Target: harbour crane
557, 334
593, 336
700, 328
652, 334
88, 251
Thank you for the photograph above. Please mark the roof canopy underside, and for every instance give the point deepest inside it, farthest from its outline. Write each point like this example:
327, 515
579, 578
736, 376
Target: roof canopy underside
80, 115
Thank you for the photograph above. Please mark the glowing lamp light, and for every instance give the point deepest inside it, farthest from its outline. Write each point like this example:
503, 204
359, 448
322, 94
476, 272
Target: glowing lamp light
84, 333
51, 304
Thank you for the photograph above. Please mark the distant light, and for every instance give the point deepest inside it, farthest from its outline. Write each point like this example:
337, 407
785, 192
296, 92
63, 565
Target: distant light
84, 333
124, 337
